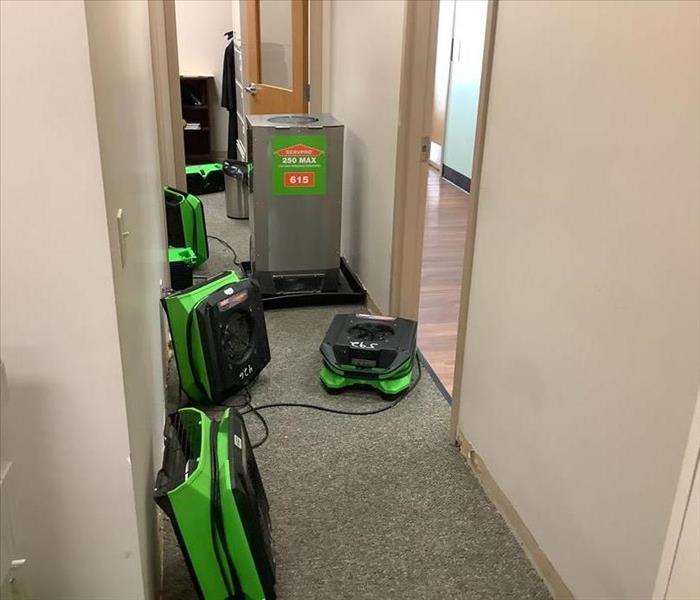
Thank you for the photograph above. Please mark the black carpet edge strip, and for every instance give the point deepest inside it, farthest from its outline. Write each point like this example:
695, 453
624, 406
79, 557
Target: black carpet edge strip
436, 380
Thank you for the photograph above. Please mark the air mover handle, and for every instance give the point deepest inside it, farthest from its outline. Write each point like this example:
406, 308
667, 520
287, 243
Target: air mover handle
172, 473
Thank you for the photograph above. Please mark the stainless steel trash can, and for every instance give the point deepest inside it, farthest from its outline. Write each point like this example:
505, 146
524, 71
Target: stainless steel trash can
236, 180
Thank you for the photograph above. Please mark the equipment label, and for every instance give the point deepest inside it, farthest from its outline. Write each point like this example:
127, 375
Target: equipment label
299, 165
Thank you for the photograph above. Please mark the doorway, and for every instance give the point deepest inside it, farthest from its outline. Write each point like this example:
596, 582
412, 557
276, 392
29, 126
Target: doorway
449, 205
233, 59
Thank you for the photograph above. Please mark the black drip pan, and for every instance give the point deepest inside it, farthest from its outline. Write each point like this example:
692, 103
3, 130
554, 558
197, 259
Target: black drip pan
350, 291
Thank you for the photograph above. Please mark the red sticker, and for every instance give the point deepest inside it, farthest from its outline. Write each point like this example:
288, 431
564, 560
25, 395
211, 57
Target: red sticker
300, 179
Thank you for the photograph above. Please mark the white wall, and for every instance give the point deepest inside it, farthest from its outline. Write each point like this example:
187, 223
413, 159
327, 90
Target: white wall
464, 85
442, 73
364, 67
74, 519
120, 56
201, 25
582, 354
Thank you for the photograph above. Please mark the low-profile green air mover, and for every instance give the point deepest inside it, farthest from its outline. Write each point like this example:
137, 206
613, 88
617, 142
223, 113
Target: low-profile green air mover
219, 336
369, 350
211, 490
205, 179
184, 216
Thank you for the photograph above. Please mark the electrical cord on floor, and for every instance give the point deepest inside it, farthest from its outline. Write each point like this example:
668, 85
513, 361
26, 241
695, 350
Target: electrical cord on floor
227, 245
246, 404
335, 411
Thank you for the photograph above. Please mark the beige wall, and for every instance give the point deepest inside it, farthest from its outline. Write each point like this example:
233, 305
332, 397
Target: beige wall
74, 518
582, 353
120, 55
361, 89
201, 25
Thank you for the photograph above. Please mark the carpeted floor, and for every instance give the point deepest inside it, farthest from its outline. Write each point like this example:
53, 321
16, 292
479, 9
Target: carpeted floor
373, 507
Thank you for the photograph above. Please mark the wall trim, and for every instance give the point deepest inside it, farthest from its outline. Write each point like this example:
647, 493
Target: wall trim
411, 173
459, 179
480, 138
372, 306
527, 541
689, 470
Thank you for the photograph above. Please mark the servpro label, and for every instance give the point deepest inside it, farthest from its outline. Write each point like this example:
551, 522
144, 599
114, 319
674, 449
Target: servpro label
299, 165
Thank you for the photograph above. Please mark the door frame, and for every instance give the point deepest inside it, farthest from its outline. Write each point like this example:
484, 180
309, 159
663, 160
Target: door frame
415, 108
687, 478
166, 83
252, 64
439, 125
166, 64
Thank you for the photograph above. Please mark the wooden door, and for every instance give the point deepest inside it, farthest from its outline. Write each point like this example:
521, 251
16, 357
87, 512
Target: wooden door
276, 56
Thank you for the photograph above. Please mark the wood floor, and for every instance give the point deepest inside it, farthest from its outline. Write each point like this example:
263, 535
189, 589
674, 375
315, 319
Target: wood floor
447, 211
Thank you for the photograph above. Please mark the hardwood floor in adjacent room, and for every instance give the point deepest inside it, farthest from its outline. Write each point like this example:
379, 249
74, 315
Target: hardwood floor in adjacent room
447, 212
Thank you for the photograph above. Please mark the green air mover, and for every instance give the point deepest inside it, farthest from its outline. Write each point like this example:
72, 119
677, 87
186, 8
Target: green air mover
369, 350
219, 336
184, 216
211, 490
205, 179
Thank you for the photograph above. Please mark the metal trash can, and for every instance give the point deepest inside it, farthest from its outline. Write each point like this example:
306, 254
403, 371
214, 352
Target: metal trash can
236, 178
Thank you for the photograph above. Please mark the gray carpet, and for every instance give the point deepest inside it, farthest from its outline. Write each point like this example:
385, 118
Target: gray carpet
373, 507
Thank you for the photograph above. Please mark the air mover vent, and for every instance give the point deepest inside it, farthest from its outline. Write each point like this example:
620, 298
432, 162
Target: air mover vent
297, 284
370, 332
237, 339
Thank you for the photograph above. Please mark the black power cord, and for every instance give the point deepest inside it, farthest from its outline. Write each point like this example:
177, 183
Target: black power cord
247, 404
254, 409
227, 245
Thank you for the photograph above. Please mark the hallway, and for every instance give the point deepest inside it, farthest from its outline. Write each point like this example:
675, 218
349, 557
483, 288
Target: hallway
345, 525
446, 215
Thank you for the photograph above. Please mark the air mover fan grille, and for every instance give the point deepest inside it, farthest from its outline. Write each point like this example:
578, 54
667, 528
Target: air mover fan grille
370, 332
237, 338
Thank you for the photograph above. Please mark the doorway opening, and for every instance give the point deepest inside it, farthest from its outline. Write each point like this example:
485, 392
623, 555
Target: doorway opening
236, 59
449, 204
216, 63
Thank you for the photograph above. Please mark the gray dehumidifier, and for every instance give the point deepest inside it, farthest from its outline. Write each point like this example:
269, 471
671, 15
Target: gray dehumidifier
296, 190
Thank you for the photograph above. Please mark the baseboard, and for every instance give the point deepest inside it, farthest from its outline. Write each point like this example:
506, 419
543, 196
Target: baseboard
527, 541
372, 306
461, 181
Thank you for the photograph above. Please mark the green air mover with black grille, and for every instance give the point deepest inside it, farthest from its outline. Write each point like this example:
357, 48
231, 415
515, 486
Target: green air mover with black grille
184, 214
369, 350
205, 179
219, 336
211, 490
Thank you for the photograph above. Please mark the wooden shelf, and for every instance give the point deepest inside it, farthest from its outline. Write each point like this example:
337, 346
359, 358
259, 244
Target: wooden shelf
193, 89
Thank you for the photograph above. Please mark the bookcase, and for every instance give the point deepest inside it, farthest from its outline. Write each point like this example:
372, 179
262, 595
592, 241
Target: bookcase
196, 97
